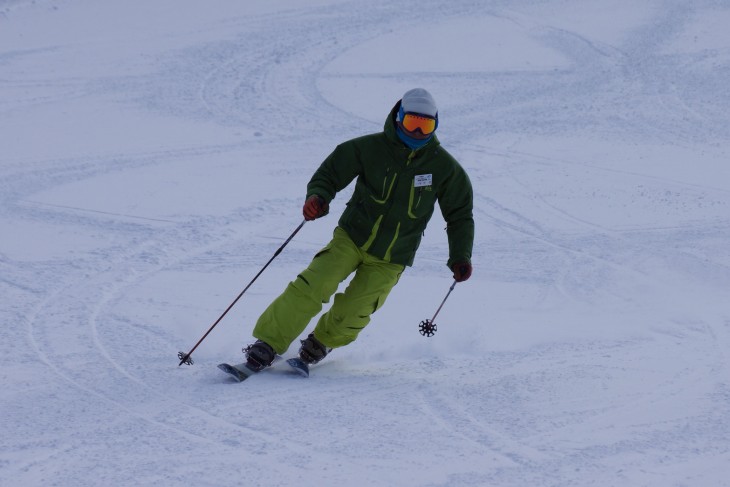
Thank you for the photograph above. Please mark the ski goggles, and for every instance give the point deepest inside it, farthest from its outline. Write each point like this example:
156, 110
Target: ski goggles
413, 121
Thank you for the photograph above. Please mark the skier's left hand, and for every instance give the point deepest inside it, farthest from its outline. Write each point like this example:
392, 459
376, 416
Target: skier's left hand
462, 271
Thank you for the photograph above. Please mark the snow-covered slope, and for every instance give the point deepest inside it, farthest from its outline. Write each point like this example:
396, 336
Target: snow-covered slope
154, 155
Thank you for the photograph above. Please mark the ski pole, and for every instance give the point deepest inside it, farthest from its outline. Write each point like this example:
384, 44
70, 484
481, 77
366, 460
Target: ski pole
185, 357
427, 328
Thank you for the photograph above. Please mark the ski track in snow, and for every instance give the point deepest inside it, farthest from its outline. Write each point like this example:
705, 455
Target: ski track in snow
148, 177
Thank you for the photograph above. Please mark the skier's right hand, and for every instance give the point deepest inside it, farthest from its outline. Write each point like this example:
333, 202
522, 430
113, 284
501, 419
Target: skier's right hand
315, 207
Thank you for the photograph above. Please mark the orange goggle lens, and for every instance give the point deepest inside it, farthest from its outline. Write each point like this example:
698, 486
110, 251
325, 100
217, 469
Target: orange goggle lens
411, 122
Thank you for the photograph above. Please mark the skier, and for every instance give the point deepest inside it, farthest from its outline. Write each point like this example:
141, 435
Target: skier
401, 173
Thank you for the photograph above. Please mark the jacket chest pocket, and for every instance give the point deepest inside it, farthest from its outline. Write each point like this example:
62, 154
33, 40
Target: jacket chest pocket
421, 199
382, 186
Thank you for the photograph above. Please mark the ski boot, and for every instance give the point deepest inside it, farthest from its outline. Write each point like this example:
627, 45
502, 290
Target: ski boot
259, 355
312, 350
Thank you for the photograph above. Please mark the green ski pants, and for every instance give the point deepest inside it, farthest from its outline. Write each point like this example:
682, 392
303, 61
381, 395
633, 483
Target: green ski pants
290, 313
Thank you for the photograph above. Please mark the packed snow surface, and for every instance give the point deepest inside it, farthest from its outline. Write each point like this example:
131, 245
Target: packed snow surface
154, 156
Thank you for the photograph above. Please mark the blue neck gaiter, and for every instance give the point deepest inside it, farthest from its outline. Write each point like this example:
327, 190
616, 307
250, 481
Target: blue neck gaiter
410, 141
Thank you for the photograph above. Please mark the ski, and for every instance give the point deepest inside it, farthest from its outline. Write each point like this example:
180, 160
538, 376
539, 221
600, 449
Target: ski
240, 371
299, 366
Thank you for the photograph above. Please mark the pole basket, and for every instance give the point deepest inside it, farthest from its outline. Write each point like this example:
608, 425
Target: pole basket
427, 328
184, 358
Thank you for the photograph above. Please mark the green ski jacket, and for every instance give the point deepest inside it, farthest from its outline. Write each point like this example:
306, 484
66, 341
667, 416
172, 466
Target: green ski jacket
396, 192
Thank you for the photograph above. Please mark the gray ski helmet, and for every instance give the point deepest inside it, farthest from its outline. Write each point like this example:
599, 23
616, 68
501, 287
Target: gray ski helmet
418, 100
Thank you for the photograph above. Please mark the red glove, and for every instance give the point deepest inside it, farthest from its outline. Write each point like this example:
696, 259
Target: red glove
315, 207
462, 271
